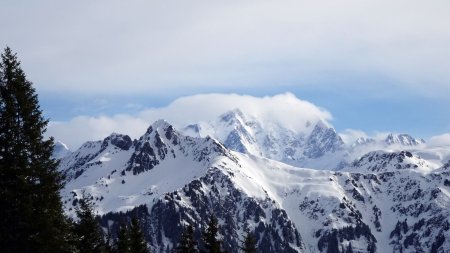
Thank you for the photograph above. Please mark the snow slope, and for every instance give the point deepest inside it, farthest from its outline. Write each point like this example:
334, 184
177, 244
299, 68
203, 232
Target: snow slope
321, 201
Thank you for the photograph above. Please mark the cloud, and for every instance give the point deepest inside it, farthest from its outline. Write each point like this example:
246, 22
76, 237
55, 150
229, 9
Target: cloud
163, 46
439, 140
83, 128
349, 136
285, 109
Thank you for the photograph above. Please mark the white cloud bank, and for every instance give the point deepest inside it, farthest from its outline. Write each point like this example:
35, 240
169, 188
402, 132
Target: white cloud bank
285, 109
161, 46
351, 135
439, 140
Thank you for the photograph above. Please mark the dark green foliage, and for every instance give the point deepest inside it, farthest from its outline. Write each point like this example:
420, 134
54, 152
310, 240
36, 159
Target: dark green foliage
130, 239
137, 240
109, 243
211, 243
330, 240
349, 248
187, 241
249, 243
333, 243
123, 242
87, 229
31, 214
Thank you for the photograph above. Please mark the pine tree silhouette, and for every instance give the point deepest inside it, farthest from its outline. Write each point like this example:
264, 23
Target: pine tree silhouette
31, 213
249, 243
123, 241
211, 243
136, 238
87, 229
187, 241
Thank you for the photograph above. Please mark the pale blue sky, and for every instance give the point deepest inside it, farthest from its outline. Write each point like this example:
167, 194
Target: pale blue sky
374, 65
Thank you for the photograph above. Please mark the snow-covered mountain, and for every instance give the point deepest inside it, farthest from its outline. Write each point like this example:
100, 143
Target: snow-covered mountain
247, 134
391, 140
317, 145
386, 201
403, 140
382, 161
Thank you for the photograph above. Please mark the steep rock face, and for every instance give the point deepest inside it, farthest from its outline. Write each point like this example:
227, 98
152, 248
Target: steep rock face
75, 163
381, 161
420, 204
238, 139
93, 153
162, 141
322, 140
121, 141
159, 143
386, 212
403, 139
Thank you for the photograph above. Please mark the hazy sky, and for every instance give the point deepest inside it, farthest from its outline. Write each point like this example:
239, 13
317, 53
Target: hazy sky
372, 65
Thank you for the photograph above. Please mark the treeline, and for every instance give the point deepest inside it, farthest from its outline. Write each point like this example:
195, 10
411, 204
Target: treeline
130, 239
31, 212
210, 243
89, 236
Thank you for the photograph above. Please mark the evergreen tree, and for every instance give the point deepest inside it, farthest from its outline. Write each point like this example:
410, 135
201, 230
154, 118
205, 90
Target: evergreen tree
87, 229
211, 244
349, 248
136, 238
123, 241
187, 241
109, 243
333, 243
31, 213
249, 243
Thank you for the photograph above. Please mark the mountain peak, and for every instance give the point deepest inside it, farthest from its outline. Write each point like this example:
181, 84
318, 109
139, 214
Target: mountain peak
119, 140
230, 116
382, 161
402, 139
363, 141
160, 124
323, 139
321, 125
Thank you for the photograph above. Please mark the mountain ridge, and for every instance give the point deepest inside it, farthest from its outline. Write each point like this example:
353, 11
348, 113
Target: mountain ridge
192, 177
